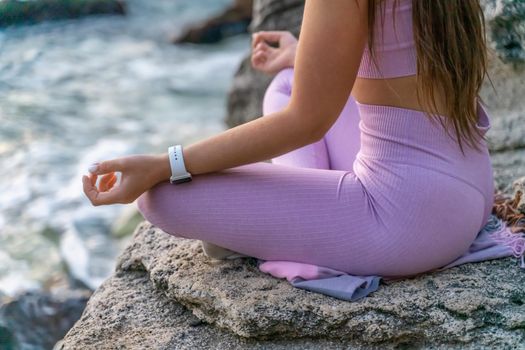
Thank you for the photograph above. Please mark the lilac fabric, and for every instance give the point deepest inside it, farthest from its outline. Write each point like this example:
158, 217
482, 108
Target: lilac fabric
395, 50
492, 242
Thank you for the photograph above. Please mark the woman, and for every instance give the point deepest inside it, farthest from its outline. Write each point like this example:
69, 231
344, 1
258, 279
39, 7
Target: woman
379, 162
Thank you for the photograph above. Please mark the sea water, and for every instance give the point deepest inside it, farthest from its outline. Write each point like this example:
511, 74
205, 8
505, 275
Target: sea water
78, 91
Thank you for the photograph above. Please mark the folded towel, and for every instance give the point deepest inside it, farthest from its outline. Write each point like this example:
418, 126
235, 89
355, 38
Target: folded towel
494, 240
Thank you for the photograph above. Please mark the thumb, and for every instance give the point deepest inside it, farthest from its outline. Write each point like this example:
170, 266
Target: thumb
105, 167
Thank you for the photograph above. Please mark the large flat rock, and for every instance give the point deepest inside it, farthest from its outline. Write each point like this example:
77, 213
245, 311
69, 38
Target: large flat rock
129, 312
470, 306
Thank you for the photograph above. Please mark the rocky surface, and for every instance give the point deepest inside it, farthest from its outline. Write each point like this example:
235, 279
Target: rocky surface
234, 20
506, 21
167, 294
24, 12
142, 317
506, 107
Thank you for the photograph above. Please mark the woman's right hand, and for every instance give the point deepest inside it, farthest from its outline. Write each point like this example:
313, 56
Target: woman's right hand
269, 59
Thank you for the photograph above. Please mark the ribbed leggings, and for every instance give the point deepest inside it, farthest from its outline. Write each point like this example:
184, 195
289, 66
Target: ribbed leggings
311, 206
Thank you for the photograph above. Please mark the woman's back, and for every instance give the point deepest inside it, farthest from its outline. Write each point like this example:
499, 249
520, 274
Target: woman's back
389, 76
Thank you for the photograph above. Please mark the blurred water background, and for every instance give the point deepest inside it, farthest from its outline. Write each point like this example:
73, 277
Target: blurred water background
77, 91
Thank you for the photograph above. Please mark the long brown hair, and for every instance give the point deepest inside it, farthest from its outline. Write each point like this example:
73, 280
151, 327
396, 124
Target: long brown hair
451, 50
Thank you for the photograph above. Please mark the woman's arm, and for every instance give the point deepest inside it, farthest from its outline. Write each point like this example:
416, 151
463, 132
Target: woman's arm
329, 52
328, 56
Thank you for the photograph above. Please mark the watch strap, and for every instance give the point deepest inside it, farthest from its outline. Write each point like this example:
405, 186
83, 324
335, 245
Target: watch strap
179, 173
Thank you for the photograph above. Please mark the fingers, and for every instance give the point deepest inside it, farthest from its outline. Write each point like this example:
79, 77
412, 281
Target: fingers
112, 182
270, 36
95, 197
259, 60
88, 185
260, 55
107, 181
93, 179
107, 166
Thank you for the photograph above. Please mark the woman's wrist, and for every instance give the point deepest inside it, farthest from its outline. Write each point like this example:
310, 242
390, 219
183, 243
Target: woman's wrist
162, 171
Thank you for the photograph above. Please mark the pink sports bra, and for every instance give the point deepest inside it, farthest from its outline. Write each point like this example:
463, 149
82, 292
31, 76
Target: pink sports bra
395, 51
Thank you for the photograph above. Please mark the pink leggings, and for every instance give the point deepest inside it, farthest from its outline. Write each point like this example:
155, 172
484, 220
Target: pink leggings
327, 204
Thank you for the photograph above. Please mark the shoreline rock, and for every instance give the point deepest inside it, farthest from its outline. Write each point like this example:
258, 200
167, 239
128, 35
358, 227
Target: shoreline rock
14, 12
150, 320
234, 20
477, 305
35, 320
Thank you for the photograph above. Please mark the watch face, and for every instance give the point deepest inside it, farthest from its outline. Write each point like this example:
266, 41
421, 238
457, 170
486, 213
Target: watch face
179, 181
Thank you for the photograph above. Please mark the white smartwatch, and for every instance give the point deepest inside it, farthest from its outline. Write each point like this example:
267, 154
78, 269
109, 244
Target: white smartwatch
178, 170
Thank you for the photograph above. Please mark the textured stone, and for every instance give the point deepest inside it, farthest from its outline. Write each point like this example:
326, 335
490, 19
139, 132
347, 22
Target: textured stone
474, 305
28, 12
506, 22
129, 312
35, 320
508, 166
506, 105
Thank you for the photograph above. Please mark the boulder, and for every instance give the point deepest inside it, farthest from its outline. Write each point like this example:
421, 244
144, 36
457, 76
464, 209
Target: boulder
29, 12
161, 281
503, 94
36, 320
506, 27
142, 317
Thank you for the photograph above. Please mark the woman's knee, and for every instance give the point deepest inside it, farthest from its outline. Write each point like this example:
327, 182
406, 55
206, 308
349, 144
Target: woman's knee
152, 203
278, 92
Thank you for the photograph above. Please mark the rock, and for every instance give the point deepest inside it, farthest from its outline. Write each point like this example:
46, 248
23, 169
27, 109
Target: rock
478, 305
126, 222
508, 166
506, 137
36, 320
144, 318
28, 12
506, 105
232, 21
506, 21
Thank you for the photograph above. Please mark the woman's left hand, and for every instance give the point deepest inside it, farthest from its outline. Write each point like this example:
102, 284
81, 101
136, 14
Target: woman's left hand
139, 174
